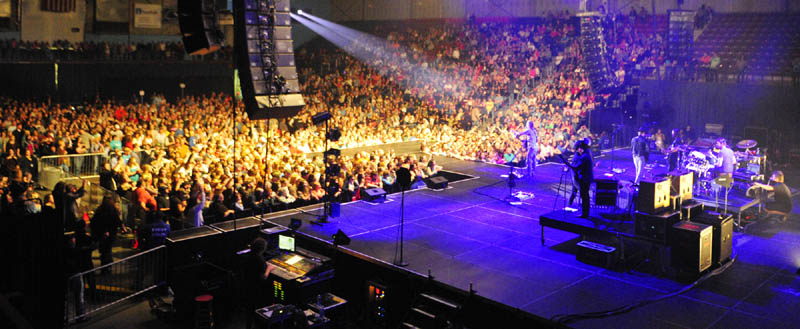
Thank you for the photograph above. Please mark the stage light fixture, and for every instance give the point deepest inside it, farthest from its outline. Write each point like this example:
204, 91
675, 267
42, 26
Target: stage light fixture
299, 11
334, 135
321, 117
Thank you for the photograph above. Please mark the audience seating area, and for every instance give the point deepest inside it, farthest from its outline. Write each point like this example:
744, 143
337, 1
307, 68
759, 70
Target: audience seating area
768, 42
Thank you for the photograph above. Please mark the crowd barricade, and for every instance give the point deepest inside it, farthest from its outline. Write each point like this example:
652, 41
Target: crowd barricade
102, 287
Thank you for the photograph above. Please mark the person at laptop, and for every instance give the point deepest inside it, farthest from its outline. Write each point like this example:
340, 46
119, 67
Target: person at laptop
255, 272
783, 197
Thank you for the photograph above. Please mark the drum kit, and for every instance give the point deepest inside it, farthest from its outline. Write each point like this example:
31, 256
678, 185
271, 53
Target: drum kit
702, 163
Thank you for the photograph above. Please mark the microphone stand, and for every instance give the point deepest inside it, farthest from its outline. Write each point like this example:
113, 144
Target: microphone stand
511, 182
401, 262
613, 143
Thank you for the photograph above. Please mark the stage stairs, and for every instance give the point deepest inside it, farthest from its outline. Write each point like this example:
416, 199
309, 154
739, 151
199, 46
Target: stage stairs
430, 311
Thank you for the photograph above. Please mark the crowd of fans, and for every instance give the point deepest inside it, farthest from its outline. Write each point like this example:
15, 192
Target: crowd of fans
62, 50
178, 157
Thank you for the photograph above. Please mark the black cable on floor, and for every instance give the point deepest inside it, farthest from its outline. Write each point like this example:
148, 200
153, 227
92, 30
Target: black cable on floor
566, 318
475, 190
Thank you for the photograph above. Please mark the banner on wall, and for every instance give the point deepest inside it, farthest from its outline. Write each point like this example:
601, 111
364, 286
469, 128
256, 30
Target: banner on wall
113, 11
147, 16
5, 8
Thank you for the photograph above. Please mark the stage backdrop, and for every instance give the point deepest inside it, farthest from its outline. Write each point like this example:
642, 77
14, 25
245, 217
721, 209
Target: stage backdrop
736, 106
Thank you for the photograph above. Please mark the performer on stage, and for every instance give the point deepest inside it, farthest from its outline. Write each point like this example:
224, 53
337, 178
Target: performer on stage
726, 162
575, 178
640, 150
531, 144
783, 197
675, 150
583, 167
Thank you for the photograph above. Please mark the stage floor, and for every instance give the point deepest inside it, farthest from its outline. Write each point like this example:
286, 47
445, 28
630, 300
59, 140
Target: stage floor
467, 235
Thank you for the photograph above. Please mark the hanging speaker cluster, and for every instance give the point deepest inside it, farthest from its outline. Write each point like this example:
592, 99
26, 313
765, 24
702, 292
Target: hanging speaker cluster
264, 54
199, 26
680, 35
593, 49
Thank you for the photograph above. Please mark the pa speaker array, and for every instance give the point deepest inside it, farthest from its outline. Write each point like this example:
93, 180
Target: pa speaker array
593, 49
264, 55
199, 26
680, 35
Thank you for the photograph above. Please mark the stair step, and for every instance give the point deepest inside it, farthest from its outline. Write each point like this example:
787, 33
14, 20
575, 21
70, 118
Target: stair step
426, 314
441, 301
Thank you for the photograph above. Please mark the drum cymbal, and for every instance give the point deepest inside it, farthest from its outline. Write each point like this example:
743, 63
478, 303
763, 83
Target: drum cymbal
746, 144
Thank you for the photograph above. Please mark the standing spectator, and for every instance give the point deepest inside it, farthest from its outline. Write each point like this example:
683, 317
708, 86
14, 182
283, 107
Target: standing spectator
66, 198
714, 66
29, 165
739, 67
155, 230
105, 224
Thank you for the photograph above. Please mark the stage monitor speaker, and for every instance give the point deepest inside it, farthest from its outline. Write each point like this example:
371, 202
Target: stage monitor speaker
374, 193
199, 26
264, 57
691, 245
653, 196
606, 191
722, 246
436, 182
681, 182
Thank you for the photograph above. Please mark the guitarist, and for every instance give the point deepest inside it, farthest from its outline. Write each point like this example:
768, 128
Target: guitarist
675, 150
575, 179
531, 144
584, 175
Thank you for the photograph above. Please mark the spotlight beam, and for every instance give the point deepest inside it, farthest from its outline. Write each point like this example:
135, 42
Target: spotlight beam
410, 71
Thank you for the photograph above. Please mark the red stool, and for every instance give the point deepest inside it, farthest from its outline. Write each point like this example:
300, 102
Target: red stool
204, 316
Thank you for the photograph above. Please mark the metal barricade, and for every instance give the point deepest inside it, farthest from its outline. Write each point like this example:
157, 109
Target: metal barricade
97, 289
69, 165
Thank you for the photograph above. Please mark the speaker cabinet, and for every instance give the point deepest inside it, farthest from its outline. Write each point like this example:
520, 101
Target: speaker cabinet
436, 182
655, 226
373, 194
606, 191
264, 57
593, 48
653, 196
692, 245
199, 26
722, 246
681, 182
692, 209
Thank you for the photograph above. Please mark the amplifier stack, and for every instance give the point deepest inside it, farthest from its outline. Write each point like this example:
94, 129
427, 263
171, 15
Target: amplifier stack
653, 196
691, 245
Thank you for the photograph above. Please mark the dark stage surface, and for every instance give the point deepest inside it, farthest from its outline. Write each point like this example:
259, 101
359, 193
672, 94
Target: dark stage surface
466, 235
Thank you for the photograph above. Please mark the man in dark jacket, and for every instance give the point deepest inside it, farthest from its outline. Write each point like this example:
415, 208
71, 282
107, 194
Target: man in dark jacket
584, 169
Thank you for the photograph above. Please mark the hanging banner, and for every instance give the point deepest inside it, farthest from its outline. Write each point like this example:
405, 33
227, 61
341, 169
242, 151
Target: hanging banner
147, 16
114, 11
5, 8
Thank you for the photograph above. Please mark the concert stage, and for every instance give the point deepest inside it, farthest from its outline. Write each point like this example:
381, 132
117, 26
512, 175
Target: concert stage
466, 235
